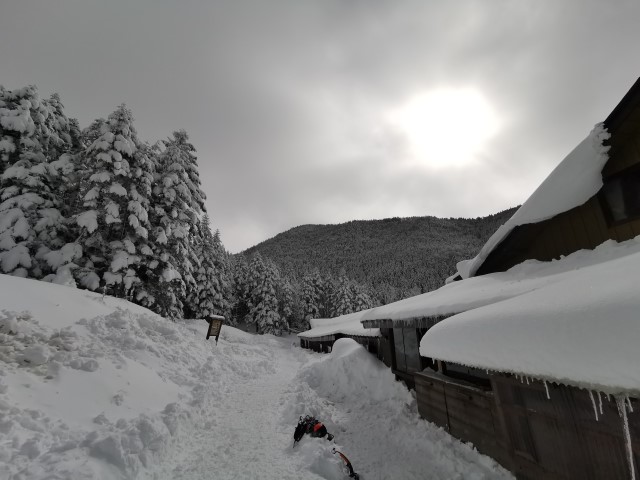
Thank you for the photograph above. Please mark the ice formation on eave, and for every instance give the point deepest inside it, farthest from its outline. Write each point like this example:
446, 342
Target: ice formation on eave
574, 181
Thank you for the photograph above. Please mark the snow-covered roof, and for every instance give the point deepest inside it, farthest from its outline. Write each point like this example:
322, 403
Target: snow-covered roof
345, 324
576, 321
468, 294
574, 181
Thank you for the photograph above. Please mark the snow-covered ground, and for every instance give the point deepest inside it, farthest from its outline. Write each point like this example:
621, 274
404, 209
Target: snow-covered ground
94, 387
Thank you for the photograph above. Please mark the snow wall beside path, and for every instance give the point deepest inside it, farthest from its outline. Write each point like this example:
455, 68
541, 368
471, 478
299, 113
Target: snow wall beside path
375, 422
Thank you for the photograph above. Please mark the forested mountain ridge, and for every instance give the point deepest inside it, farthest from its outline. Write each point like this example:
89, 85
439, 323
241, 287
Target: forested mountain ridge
396, 257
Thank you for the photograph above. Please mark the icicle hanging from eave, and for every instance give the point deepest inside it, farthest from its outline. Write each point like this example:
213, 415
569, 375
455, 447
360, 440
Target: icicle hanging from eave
593, 403
623, 402
600, 401
546, 388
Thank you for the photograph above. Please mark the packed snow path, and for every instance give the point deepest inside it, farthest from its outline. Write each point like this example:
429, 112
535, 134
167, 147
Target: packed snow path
244, 437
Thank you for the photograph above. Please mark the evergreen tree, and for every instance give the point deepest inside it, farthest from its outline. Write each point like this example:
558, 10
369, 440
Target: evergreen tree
32, 134
361, 300
212, 276
240, 288
92, 132
342, 298
222, 263
114, 224
181, 211
64, 157
288, 297
326, 292
179, 241
311, 292
263, 302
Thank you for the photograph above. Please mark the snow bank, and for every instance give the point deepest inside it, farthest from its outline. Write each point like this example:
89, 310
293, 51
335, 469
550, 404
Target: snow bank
345, 324
574, 181
94, 387
581, 326
373, 416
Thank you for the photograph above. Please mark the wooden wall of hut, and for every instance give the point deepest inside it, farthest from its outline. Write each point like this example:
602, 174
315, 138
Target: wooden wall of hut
385, 352
564, 436
465, 411
315, 345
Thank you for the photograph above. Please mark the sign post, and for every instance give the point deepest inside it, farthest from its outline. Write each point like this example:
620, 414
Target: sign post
215, 325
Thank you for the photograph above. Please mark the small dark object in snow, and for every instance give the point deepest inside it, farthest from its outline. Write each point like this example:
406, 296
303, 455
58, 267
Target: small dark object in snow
310, 426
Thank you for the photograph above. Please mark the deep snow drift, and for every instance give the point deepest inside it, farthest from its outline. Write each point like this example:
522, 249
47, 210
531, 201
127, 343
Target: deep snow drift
94, 387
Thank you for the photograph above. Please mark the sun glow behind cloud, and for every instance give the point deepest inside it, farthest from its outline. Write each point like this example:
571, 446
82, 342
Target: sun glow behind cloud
445, 127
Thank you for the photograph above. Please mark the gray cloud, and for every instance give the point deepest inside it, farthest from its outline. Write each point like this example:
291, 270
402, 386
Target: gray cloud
285, 101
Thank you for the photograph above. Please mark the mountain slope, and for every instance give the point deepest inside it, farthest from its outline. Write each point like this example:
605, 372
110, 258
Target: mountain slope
410, 255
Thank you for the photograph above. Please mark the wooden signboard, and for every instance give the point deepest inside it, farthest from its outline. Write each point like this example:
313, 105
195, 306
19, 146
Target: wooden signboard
215, 325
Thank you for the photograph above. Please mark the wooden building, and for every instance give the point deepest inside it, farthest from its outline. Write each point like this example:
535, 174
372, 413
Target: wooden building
325, 331
461, 349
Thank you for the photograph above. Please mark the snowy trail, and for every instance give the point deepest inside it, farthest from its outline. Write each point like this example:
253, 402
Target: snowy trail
245, 436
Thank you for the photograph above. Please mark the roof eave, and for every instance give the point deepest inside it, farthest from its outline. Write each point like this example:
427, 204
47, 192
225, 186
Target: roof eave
410, 322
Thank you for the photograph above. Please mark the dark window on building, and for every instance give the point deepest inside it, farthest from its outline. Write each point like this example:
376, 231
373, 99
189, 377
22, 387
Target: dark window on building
620, 196
473, 375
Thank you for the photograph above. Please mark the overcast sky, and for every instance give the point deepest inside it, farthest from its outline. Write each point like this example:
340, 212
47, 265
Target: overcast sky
326, 111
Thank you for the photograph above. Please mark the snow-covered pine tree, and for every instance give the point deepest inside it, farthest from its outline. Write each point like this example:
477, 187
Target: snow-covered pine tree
64, 158
212, 275
32, 134
311, 291
263, 302
183, 210
287, 300
223, 271
175, 217
114, 224
240, 288
360, 298
326, 288
92, 132
342, 298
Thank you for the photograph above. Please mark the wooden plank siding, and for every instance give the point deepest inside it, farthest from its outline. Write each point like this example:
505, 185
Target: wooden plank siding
560, 438
432, 405
385, 352
465, 411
